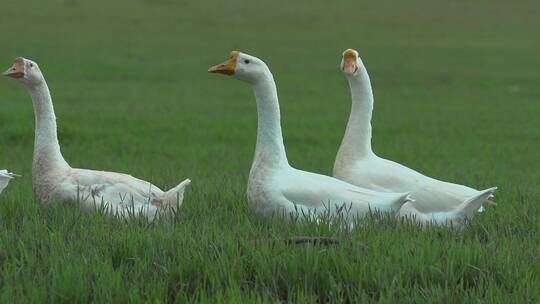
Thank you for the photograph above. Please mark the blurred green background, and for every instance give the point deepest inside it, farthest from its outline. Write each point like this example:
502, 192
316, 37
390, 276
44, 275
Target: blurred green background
456, 97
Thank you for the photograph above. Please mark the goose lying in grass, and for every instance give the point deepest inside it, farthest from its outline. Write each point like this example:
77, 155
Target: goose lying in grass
5, 177
434, 201
54, 180
274, 186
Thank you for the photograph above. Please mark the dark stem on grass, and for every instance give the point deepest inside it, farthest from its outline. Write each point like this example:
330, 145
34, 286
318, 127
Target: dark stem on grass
322, 240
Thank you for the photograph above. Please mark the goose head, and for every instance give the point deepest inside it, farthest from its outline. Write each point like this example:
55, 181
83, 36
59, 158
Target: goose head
351, 64
243, 67
26, 71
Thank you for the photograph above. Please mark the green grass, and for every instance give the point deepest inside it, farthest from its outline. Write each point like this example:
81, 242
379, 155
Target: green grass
457, 97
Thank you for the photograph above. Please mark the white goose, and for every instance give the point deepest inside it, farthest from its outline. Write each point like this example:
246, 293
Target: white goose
54, 180
274, 186
5, 177
434, 201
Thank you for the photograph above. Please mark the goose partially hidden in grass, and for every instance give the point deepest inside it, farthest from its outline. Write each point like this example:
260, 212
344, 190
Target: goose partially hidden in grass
274, 187
54, 180
5, 177
434, 200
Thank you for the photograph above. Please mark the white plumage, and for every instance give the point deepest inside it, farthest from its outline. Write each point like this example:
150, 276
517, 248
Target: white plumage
274, 187
434, 201
54, 180
5, 177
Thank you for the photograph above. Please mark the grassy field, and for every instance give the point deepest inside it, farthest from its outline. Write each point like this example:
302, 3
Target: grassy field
457, 97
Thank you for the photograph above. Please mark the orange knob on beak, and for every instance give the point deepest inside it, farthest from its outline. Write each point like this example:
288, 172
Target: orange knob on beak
349, 61
226, 67
17, 70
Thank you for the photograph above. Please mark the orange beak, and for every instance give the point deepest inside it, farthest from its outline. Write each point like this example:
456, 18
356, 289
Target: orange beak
226, 67
17, 70
349, 61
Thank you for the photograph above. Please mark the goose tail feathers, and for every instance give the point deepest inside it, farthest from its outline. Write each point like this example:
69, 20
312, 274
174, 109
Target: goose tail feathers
7, 174
175, 196
5, 177
475, 203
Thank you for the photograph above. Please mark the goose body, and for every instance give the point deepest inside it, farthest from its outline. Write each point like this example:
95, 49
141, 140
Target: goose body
53, 180
291, 191
5, 177
434, 201
274, 187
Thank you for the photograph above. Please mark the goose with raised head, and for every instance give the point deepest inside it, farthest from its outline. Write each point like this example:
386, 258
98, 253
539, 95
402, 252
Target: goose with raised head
435, 201
53, 180
5, 177
274, 187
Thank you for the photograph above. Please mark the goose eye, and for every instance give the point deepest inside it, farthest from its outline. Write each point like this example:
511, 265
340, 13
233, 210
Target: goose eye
31, 65
246, 61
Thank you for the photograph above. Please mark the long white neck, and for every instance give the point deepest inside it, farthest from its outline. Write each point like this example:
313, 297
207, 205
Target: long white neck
356, 143
270, 151
47, 153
